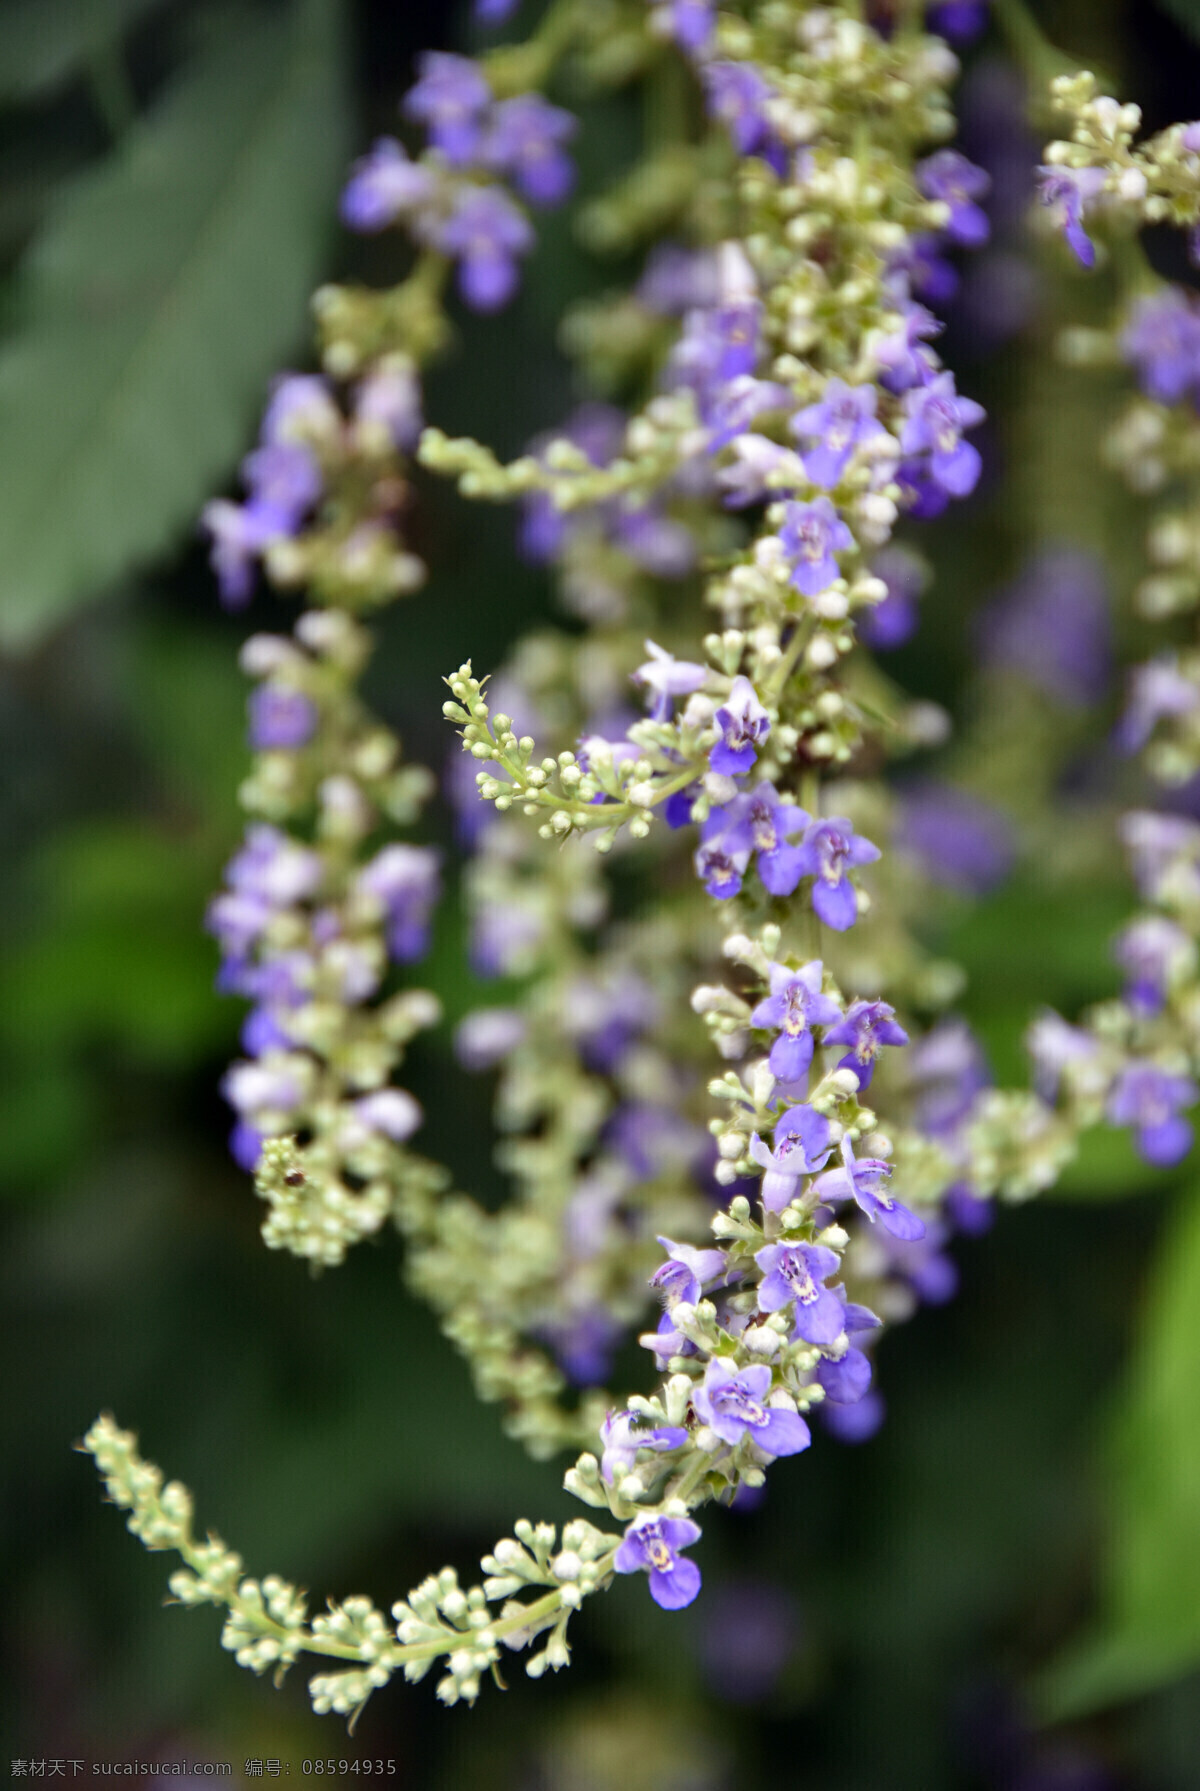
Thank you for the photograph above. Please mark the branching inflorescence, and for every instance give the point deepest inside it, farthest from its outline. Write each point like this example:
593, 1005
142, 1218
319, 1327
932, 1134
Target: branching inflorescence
784, 407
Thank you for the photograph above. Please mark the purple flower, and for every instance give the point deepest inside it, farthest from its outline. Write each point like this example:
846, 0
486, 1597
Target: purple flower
685, 1272
843, 419
902, 360
1164, 850
390, 397
847, 1380
960, 841
801, 1140
865, 1182
737, 96
935, 417
793, 1007
668, 677
583, 1341
732, 1403
383, 186
1153, 952
281, 719
958, 20
651, 1546
950, 177
524, 141
894, 620
488, 231
735, 405
284, 481
657, 543
406, 880
922, 1263
830, 849
301, 412
624, 1433
719, 344
1071, 190
744, 724
925, 270
494, 12
505, 938
1158, 690
482, 1038
796, 1272
245, 1146
1055, 1046
750, 1630
238, 534
866, 1028
1162, 341
1053, 626
744, 479
722, 859
690, 23
1149, 1099
763, 822
811, 535
391, 1111
856, 1423
450, 100
676, 280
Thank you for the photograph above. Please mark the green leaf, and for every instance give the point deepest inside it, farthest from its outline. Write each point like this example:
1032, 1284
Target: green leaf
1185, 13
1148, 1630
165, 288
43, 42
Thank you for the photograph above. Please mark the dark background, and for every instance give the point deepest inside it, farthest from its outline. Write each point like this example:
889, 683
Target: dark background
884, 1622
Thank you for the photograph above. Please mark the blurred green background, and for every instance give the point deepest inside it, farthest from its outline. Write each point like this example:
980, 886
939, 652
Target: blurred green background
1027, 1523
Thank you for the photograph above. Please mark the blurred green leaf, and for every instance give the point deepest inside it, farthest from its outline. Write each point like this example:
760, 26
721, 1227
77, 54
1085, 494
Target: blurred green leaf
1107, 1168
165, 288
43, 42
1186, 13
1148, 1632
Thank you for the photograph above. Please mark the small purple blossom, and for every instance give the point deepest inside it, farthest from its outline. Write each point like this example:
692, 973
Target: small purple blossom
757, 821
487, 231
281, 719
1165, 853
812, 534
1149, 1099
624, 1433
733, 1404
1052, 625
676, 280
949, 177
668, 677
1153, 952
1161, 341
801, 1146
406, 880
384, 186
866, 1028
958, 20
935, 417
797, 1272
894, 620
686, 1271
831, 849
652, 1546
737, 96
1158, 691
483, 1038
922, 268
525, 141
960, 841
450, 99
1056, 1046
494, 12
392, 1111
794, 1005
744, 725
901, 358
865, 1182
1071, 190
745, 478
390, 398
689, 22
841, 422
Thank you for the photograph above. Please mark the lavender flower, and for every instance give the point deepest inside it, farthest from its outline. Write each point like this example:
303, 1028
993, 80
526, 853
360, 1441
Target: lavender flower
958, 20
757, 821
794, 1006
281, 719
483, 1038
935, 417
689, 22
811, 535
960, 841
1055, 1046
667, 677
1158, 691
685, 1272
1161, 341
487, 231
450, 100
737, 96
732, 1403
830, 850
796, 1272
1148, 1099
384, 186
722, 858
744, 724
894, 620
494, 12
652, 1546
950, 177
865, 1183
524, 141
389, 399
391, 1111
847, 1379
1071, 190
1165, 852
406, 881
624, 1433
1153, 952
866, 1028
841, 422
801, 1141
1052, 625
901, 358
